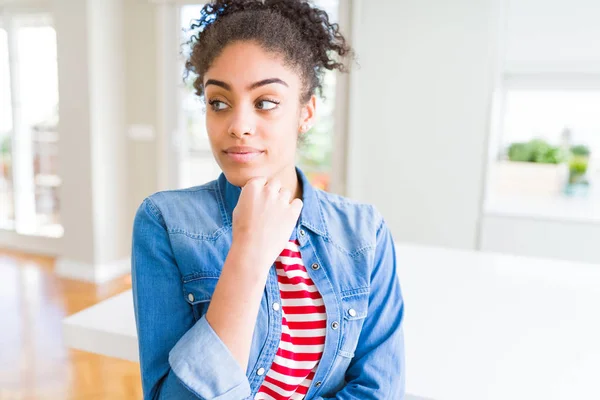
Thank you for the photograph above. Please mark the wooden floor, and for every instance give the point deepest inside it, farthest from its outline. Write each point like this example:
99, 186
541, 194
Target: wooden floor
34, 362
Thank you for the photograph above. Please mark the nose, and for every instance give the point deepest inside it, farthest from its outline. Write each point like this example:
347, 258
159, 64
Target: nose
243, 122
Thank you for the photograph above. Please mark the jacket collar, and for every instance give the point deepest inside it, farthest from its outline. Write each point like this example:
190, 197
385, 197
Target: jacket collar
311, 216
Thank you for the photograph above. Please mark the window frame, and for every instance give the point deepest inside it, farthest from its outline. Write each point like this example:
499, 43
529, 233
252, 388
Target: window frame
549, 208
534, 82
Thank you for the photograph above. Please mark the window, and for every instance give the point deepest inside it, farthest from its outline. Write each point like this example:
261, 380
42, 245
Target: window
196, 163
315, 155
547, 152
553, 114
29, 126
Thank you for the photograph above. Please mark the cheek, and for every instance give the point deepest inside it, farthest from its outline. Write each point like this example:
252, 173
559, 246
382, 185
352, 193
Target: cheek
215, 127
211, 121
281, 133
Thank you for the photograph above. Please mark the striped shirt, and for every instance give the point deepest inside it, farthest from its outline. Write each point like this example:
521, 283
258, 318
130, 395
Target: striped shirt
303, 330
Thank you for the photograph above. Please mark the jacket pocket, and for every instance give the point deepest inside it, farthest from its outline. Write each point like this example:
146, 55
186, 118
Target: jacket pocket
198, 293
354, 309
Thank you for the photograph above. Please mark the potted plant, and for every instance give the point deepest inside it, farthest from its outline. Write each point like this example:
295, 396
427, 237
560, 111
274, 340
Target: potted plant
578, 167
531, 168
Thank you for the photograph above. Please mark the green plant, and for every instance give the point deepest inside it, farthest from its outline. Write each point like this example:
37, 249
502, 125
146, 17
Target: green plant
5, 145
519, 152
580, 150
545, 153
536, 150
578, 165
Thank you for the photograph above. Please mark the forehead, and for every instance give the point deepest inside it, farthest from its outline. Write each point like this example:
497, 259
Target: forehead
243, 63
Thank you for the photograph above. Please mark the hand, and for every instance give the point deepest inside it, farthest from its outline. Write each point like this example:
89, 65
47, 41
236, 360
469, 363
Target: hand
263, 220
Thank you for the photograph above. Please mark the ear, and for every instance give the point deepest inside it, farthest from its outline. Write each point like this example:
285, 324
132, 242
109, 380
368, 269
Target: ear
307, 115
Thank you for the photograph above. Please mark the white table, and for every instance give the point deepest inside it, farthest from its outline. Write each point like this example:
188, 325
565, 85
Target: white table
478, 326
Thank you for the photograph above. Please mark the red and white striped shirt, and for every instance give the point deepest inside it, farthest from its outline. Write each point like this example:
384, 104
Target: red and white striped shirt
304, 325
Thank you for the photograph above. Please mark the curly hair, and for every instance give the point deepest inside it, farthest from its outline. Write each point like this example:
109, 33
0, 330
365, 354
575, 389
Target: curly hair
294, 29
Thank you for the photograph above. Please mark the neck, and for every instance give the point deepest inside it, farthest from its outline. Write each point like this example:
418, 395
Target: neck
289, 180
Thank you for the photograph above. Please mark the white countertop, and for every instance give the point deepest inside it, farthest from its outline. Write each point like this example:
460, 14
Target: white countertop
552, 208
477, 325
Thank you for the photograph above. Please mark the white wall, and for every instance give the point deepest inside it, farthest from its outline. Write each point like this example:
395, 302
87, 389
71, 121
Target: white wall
141, 97
420, 105
75, 168
93, 159
553, 36
107, 128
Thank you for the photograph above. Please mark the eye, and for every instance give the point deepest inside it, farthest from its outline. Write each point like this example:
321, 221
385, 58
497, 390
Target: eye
217, 105
267, 104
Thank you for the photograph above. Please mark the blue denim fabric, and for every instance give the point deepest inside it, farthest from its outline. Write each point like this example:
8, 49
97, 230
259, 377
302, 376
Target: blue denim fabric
180, 241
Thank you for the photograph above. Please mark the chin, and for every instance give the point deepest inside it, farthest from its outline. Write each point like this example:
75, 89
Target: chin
240, 176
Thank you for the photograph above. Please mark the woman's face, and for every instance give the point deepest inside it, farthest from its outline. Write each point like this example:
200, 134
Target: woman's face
253, 112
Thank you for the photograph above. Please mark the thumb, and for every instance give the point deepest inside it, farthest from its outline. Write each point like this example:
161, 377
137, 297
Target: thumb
296, 205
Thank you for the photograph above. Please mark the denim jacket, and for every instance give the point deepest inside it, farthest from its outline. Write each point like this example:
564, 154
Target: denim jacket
180, 241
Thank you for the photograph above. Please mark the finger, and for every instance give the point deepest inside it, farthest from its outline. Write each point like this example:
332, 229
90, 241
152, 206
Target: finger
256, 181
273, 187
285, 195
254, 184
296, 206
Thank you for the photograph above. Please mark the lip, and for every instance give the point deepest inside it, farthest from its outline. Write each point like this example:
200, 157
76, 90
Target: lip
242, 154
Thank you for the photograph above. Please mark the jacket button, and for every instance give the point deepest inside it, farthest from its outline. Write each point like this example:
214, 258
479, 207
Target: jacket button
302, 233
276, 306
191, 297
335, 325
260, 372
352, 312
315, 266
318, 384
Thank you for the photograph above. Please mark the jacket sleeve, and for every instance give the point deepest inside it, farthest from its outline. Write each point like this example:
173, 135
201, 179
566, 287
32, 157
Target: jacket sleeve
179, 358
377, 370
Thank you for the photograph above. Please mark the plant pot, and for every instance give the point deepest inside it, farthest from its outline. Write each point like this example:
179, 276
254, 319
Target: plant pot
509, 178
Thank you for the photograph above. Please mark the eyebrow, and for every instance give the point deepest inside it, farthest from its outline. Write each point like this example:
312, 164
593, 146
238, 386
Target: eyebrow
217, 83
253, 86
267, 82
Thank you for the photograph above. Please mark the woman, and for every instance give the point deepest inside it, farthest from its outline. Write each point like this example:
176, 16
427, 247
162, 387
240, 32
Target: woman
257, 285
